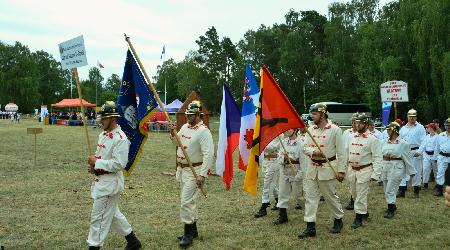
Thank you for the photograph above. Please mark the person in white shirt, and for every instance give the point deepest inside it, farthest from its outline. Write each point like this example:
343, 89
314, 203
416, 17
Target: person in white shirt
396, 164
291, 171
442, 151
413, 133
373, 131
426, 149
324, 169
363, 155
108, 163
270, 166
197, 140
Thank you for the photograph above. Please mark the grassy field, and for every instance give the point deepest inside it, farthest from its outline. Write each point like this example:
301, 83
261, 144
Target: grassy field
48, 206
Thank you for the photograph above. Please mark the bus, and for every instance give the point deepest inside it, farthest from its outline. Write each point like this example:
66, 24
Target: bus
341, 113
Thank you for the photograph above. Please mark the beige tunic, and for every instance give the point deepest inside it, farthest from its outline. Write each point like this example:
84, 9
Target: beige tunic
331, 142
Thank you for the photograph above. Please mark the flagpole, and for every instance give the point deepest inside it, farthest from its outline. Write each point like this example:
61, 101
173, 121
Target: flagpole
317, 145
155, 93
75, 73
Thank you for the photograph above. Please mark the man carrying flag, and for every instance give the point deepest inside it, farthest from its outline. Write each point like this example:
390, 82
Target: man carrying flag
230, 121
275, 115
321, 176
197, 141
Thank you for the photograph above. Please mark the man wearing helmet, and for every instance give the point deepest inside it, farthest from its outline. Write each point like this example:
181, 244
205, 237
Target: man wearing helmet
413, 133
364, 160
396, 164
319, 177
197, 140
107, 164
442, 151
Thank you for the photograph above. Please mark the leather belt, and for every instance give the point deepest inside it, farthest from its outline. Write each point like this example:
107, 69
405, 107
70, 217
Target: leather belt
270, 156
429, 152
388, 158
320, 161
444, 154
361, 167
98, 172
181, 165
414, 148
292, 161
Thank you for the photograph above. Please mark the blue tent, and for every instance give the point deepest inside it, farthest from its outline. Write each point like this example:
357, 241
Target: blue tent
173, 107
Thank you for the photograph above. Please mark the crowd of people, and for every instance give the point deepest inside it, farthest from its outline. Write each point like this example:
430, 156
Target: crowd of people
401, 154
14, 117
295, 166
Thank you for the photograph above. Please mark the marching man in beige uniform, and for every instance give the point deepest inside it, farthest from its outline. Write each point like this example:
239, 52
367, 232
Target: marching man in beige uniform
364, 161
197, 140
271, 169
110, 159
319, 177
397, 162
291, 172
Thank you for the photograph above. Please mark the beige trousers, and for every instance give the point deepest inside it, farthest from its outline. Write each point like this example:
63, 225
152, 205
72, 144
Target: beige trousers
106, 213
312, 190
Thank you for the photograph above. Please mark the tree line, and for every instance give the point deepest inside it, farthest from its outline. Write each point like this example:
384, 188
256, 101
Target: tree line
343, 56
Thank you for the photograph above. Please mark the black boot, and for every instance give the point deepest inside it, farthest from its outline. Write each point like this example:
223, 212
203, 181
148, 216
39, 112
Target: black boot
337, 226
262, 211
310, 231
194, 232
401, 192
358, 221
416, 191
390, 212
275, 205
132, 242
439, 190
186, 240
365, 216
425, 186
282, 218
351, 204
90, 248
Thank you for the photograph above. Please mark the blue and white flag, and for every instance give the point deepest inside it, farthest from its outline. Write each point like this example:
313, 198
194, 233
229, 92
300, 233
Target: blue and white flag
248, 116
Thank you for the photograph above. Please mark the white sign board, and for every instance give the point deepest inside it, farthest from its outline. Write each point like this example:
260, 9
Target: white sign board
73, 53
394, 91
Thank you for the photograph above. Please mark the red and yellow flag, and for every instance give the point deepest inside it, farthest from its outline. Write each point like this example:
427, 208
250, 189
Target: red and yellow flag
275, 115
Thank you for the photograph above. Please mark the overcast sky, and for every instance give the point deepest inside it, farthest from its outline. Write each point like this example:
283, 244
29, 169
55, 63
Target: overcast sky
43, 24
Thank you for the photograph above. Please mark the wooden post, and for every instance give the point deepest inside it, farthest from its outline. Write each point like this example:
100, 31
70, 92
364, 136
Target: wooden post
163, 107
395, 110
34, 131
75, 73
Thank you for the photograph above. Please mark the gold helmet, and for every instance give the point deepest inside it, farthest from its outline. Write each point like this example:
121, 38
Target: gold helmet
447, 122
108, 110
412, 112
394, 126
194, 108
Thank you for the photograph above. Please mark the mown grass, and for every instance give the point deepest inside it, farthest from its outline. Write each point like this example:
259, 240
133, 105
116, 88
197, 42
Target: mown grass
48, 206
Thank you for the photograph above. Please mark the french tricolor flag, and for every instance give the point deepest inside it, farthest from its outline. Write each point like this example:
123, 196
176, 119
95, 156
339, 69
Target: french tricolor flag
230, 122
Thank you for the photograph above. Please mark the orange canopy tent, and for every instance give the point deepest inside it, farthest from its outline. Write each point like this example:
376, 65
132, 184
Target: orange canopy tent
72, 103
